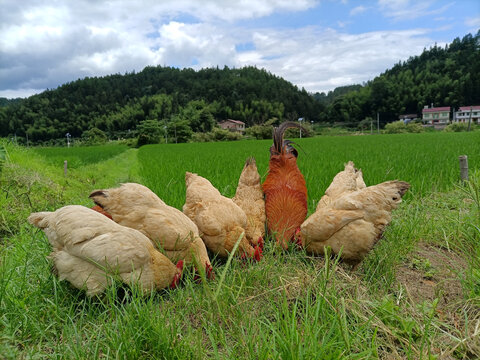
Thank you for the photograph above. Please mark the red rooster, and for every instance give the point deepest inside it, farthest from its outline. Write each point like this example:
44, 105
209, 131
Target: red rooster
285, 189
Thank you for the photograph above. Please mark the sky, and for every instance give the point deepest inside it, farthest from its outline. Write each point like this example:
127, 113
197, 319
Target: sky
315, 44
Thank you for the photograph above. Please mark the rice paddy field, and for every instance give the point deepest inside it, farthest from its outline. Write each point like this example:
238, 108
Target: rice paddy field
415, 296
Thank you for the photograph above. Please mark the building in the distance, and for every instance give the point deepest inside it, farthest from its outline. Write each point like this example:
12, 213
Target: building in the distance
436, 116
406, 118
464, 112
233, 125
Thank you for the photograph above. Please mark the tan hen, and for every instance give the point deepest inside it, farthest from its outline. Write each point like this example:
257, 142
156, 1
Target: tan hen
249, 196
221, 222
353, 222
348, 180
137, 207
89, 248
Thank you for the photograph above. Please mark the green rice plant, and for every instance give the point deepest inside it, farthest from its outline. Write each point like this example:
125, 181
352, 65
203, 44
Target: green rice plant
3, 156
80, 155
429, 162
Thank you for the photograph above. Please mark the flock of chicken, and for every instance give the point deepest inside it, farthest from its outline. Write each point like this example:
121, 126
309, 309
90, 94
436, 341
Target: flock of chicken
132, 235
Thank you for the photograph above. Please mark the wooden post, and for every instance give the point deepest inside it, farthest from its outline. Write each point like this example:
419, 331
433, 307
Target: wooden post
463, 167
378, 123
65, 168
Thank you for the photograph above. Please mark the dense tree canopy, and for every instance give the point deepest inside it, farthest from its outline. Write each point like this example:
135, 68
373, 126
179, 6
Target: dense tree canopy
116, 104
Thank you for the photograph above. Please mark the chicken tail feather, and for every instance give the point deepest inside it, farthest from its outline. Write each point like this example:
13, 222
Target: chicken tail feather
39, 219
279, 144
97, 196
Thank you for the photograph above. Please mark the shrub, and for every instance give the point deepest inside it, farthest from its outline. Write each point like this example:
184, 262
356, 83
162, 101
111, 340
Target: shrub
216, 134
414, 127
396, 127
456, 127
260, 132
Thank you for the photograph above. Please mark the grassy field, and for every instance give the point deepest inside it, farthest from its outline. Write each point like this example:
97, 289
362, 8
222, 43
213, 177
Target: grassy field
79, 156
416, 296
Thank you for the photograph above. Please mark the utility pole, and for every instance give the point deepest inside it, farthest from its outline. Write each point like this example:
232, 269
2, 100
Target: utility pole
378, 123
300, 122
470, 118
371, 126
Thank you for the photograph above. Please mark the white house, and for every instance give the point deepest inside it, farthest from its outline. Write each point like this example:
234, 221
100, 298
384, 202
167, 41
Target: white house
463, 114
436, 116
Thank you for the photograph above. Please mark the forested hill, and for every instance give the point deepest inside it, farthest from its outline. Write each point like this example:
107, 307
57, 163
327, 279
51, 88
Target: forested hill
443, 76
118, 103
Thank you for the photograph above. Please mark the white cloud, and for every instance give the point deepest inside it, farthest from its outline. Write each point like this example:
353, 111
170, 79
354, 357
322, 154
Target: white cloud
473, 22
358, 10
400, 10
321, 60
43, 46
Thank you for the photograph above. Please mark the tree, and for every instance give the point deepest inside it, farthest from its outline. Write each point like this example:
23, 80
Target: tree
149, 132
94, 136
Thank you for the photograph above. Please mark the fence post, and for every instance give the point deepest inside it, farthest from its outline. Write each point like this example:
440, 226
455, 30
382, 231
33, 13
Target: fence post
65, 168
463, 167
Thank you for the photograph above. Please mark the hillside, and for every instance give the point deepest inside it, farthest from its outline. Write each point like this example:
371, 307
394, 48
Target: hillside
447, 76
117, 103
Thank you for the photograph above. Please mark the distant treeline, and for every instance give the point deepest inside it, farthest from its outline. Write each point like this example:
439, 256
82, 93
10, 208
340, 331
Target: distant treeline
193, 101
116, 104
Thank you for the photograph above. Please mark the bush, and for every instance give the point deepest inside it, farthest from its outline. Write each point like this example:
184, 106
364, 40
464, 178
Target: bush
216, 134
260, 132
456, 127
396, 127
414, 127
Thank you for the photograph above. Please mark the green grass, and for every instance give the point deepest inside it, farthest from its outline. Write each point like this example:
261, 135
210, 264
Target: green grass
288, 306
80, 156
429, 162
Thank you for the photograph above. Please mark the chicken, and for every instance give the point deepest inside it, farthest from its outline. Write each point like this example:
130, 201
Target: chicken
249, 196
137, 207
89, 249
353, 222
348, 180
285, 189
221, 222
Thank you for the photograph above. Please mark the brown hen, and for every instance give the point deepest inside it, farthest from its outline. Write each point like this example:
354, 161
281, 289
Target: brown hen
348, 180
89, 249
137, 207
221, 222
353, 222
249, 196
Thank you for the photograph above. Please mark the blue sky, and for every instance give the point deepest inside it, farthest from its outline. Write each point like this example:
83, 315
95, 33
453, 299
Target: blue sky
317, 45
